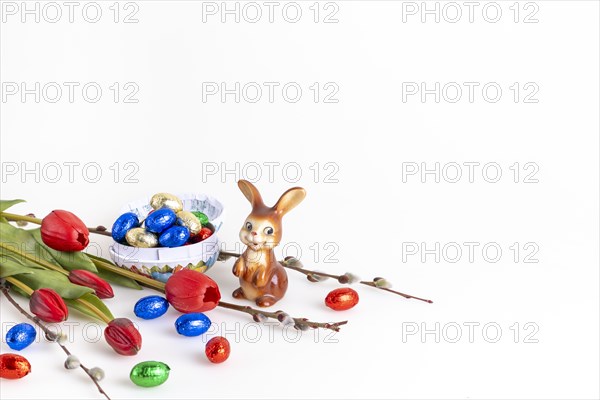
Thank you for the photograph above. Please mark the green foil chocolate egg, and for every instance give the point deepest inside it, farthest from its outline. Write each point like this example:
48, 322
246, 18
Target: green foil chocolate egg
149, 373
201, 216
160, 200
190, 221
139, 237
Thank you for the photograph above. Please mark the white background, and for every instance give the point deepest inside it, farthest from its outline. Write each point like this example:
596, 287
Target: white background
173, 138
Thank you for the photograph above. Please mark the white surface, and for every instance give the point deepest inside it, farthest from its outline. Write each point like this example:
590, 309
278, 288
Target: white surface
172, 136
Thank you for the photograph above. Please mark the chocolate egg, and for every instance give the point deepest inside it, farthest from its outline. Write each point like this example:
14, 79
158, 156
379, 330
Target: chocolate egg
341, 299
160, 220
20, 336
150, 373
192, 324
217, 349
167, 200
13, 366
190, 221
151, 307
204, 233
175, 236
139, 237
201, 217
124, 223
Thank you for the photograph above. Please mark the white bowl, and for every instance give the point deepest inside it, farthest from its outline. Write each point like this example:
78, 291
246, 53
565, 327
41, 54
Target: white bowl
160, 262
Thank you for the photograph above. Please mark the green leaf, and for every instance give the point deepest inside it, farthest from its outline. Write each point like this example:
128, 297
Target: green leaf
14, 288
95, 257
10, 267
4, 204
118, 279
69, 260
95, 301
8, 255
41, 278
114, 277
23, 241
81, 308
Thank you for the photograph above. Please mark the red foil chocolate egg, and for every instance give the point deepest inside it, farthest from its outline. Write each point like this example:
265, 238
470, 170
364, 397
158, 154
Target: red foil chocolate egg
13, 366
205, 233
341, 299
217, 349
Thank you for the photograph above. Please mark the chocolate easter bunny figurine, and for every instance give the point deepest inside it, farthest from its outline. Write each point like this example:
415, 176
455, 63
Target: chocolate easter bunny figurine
262, 278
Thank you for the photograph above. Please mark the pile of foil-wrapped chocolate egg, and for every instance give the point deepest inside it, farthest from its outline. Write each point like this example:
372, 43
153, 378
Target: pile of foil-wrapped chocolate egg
167, 225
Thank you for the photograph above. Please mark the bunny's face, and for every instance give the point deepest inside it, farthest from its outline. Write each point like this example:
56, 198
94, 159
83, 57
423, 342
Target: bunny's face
262, 228
258, 233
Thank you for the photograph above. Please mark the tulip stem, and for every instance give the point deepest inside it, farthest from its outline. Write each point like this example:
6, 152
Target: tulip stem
17, 217
102, 264
49, 334
100, 230
226, 254
28, 291
93, 309
41, 262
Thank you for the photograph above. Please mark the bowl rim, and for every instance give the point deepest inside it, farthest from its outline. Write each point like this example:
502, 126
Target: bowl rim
154, 262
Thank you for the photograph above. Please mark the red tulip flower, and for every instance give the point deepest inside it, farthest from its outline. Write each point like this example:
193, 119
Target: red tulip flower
82, 277
123, 337
48, 306
63, 231
191, 291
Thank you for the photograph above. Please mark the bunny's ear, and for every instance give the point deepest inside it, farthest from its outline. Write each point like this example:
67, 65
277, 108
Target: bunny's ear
251, 193
289, 200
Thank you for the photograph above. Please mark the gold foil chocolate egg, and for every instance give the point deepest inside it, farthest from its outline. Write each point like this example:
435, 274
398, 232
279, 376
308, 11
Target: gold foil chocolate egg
190, 221
139, 237
160, 200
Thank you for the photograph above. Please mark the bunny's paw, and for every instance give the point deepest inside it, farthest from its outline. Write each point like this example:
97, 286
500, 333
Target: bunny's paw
238, 268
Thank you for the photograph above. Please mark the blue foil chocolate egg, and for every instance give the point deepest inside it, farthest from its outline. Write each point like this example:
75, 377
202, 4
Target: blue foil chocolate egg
20, 336
151, 307
192, 324
124, 223
175, 236
160, 220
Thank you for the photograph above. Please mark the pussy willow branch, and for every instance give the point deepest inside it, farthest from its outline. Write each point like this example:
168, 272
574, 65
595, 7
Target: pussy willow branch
160, 286
275, 315
49, 334
308, 272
